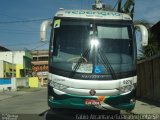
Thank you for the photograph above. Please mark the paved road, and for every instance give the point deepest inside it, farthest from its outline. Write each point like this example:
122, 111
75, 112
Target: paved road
28, 103
24, 105
33, 106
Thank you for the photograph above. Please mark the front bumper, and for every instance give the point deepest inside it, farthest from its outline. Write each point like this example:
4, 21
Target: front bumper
118, 102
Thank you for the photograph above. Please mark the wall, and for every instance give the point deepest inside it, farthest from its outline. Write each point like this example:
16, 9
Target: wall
6, 69
6, 83
13, 83
9, 68
148, 72
1, 69
33, 82
22, 82
21, 58
18, 68
15, 57
7, 56
27, 81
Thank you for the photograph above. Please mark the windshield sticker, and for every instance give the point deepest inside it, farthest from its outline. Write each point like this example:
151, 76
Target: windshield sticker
83, 68
98, 69
57, 23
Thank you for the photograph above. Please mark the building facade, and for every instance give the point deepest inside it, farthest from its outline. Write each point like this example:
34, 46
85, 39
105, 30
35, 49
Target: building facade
2, 49
7, 70
40, 65
22, 60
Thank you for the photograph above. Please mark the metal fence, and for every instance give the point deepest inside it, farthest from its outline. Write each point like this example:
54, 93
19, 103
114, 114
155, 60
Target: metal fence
148, 72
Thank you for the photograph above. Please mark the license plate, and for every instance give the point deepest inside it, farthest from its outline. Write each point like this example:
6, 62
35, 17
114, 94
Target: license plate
92, 102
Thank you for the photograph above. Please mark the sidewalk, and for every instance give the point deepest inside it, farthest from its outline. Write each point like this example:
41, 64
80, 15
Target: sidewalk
146, 108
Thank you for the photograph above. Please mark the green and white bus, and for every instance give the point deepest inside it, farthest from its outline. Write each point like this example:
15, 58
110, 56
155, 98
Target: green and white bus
92, 59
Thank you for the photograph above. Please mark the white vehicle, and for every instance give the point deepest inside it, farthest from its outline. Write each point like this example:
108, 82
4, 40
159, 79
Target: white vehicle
92, 59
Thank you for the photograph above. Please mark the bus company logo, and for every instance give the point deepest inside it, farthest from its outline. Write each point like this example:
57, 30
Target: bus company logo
99, 13
92, 92
94, 76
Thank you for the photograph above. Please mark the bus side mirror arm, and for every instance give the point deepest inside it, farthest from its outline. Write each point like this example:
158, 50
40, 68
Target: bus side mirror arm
43, 30
144, 34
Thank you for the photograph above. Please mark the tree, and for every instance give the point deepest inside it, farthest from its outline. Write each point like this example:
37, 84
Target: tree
153, 48
128, 7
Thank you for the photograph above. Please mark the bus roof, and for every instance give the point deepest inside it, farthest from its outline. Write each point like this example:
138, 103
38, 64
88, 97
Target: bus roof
93, 14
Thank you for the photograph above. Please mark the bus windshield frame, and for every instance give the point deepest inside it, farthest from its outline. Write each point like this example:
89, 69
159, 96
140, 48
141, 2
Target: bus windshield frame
71, 38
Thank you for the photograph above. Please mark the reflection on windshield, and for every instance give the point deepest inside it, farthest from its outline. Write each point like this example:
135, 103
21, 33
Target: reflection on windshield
73, 38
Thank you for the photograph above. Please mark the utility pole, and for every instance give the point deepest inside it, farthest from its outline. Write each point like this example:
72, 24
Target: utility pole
119, 5
12, 64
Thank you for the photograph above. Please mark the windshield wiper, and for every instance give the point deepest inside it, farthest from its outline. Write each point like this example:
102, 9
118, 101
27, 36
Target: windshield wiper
80, 60
106, 62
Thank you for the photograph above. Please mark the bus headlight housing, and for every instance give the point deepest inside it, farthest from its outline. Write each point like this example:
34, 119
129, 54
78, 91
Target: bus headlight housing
57, 85
127, 88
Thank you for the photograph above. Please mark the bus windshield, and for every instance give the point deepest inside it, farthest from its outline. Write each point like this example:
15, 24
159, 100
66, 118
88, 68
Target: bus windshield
84, 46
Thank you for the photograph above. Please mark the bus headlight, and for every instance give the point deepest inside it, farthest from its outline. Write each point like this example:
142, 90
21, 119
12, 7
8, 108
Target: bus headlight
127, 88
57, 85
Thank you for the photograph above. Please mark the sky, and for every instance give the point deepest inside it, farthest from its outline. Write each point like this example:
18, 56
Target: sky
20, 20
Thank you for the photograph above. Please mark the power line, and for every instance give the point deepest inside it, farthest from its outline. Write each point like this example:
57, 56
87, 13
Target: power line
20, 33
2, 14
38, 46
22, 47
13, 17
115, 4
21, 44
19, 30
24, 21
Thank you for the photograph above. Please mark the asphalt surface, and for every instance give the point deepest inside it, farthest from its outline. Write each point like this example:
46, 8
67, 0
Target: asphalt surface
33, 106
27, 103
